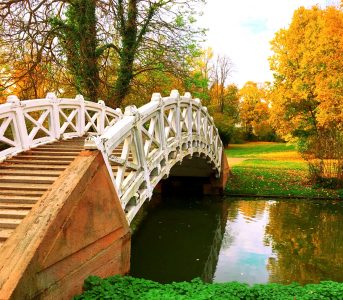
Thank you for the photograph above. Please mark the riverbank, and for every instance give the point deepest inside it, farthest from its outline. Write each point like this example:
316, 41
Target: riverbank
271, 170
127, 287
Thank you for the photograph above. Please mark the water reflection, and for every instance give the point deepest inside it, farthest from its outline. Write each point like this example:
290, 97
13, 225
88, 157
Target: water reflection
283, 241
308, 241
248, 241
245, 259
179, 240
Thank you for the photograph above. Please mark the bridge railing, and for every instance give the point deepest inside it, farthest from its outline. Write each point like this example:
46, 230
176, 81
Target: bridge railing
27, 124
143, 146
139, 150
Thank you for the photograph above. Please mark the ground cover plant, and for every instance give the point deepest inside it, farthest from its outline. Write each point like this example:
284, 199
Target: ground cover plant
271, 169
127, 287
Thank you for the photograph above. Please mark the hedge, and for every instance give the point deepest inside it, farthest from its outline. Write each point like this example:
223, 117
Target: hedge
118, 287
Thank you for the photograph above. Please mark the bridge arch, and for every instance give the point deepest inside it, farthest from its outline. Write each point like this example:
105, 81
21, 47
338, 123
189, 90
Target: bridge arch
147, 142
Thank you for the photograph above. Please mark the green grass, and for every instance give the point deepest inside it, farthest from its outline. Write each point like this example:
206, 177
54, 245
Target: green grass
272, 169
256, 149
117, 287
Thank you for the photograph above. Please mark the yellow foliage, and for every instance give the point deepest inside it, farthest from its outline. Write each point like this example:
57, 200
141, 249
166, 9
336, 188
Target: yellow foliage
254, 109
308, 67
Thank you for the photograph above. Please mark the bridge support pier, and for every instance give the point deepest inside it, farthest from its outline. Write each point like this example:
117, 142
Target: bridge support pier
78, 228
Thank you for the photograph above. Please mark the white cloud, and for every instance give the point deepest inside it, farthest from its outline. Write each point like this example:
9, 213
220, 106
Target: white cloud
243, 29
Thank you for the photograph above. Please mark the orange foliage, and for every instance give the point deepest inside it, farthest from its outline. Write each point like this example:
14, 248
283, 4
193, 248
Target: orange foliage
254, 109
308, 67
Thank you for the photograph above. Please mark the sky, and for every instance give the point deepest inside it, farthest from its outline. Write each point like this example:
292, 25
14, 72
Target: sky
242, 30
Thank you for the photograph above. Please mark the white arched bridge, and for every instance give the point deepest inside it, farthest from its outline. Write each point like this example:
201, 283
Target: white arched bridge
74, 174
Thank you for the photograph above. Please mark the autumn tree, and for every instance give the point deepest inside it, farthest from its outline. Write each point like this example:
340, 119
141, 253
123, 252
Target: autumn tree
254, 111
307, 94
227, 120
86, 37
26, 41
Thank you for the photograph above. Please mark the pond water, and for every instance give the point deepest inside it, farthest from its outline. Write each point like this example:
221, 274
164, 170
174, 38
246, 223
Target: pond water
252, 241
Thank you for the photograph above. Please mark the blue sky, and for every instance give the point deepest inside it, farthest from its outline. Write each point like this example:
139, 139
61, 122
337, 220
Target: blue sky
242, 30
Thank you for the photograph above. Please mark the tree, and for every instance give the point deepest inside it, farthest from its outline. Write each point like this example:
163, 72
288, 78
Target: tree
26, 41
157, 35
227, 119
79, 40
307, 94
222, 70
254, 111
89, 38
307, 65
198, 80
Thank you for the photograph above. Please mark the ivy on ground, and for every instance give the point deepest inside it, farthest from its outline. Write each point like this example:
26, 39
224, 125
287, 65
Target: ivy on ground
118, 287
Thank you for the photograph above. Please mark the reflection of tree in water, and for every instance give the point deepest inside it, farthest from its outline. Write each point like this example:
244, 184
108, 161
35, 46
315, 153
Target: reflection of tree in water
232, 210
218, 239
252, 209
228, 238
307, 238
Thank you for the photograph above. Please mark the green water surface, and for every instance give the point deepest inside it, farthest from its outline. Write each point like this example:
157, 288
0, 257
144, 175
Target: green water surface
252, 241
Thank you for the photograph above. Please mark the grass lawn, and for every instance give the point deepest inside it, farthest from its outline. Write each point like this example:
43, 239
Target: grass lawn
271, 169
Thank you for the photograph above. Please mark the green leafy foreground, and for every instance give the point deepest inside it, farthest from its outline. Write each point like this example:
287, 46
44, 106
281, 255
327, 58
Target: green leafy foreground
118, 287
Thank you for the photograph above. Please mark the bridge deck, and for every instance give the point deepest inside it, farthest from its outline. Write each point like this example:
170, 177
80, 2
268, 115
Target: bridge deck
26, 177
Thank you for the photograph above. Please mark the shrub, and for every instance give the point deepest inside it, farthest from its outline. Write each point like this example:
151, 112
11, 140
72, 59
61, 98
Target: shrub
127, 287
323, 152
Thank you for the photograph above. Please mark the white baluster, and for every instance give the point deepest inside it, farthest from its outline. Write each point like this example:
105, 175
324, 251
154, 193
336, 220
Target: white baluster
137, 133
175, 94
156, 97
188, 96
81, 120
102, 117
21, 129
54, 120
205, 137
198, 116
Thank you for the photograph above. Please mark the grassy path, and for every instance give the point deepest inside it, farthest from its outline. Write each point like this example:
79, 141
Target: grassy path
271, 169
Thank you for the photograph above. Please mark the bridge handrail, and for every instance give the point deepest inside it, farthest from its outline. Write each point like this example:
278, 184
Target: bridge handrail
139, 150
146, 142
30, 123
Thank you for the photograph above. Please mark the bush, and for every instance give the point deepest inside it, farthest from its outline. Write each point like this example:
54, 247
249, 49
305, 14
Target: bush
127, 287
323, 152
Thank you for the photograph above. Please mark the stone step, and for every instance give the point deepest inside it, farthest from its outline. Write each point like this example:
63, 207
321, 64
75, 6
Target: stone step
24, 186
41, 162
57, 150
29, 166
13, 213
20, 172
16, 206
9, 223
21, 193
15, 198
5, 234
61, 147
50, 153
43, 157
26, 179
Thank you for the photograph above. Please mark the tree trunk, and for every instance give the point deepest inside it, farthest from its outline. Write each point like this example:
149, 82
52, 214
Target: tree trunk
89, 82
127, 55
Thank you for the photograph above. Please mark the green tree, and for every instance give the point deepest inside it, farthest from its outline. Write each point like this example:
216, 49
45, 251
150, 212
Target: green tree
103, 47
78, 38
